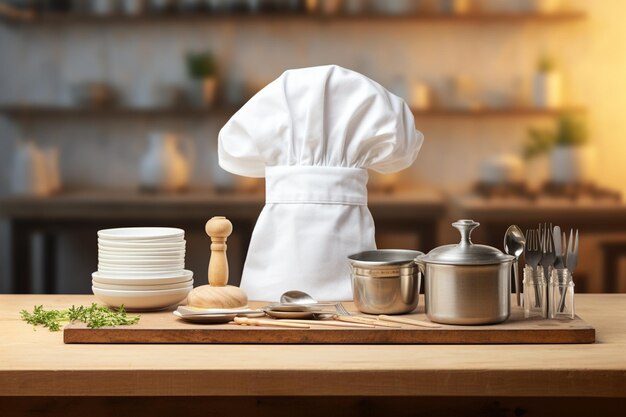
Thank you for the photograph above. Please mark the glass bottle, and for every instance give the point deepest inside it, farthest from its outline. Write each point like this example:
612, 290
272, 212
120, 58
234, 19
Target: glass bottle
535, 300
561, 294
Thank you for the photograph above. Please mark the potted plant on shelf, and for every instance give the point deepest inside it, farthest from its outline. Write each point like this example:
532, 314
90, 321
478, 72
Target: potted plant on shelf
202, 70
547, 85
571, 156
543, 6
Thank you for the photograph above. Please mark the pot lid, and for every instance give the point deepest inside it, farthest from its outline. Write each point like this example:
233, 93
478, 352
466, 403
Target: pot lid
465, 252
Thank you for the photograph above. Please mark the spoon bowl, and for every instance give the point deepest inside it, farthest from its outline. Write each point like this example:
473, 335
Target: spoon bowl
514, 243
297, 297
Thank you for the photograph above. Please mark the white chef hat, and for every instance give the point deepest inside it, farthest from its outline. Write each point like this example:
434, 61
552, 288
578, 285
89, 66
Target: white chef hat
313, 132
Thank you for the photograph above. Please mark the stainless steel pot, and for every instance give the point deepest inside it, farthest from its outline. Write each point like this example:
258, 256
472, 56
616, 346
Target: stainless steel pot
467, 283
385, 281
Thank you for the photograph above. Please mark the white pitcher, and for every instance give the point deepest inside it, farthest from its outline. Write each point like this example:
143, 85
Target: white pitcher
164, 167
30, 173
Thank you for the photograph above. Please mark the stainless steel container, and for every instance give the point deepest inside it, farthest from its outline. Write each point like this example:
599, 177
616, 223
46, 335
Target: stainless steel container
385, 281
467, 283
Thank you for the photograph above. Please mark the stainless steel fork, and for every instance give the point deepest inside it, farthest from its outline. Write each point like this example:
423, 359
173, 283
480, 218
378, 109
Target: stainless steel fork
548, 254
341, 310
532, 256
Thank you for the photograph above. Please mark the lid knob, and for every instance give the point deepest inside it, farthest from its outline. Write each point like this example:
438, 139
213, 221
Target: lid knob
465, 227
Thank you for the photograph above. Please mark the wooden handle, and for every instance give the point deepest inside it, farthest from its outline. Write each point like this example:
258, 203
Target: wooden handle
275, 323
412, 322
328, 323
364, 320
218, 228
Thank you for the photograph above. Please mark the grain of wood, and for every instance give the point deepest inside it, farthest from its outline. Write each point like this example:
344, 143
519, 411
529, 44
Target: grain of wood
37, 363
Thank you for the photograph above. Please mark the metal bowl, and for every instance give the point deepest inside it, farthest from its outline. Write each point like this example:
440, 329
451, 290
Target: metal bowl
385, 281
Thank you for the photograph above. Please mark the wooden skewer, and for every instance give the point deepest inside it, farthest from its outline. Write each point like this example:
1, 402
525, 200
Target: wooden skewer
363, 320
275, 323
409, 321
329, 323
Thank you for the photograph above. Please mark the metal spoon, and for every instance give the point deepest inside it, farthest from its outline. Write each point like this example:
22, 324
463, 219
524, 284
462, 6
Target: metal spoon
514, 242
297, 297
301, 298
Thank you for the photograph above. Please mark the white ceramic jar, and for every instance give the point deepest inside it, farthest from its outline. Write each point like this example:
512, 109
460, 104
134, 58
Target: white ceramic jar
164, 167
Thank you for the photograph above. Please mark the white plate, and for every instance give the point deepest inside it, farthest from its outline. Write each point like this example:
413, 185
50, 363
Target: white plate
164, 240
142, 300
133, 252
133, 233
140, 272
207, 319
130, 260
112, 244
142, 264
183, 284
153, 279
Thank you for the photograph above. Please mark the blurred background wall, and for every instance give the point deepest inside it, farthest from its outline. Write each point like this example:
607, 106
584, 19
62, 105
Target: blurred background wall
41, 64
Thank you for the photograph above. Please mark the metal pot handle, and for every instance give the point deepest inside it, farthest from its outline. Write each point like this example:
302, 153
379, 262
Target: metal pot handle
465, 228
420, 264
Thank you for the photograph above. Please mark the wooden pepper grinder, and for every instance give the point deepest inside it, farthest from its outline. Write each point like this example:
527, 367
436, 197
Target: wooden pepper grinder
217, 294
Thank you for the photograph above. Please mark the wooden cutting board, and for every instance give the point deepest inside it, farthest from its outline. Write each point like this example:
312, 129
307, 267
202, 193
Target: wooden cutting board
164, 327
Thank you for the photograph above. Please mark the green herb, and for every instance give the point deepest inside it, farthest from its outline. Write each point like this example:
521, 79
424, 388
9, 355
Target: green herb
569, 132
94, 316
201, 65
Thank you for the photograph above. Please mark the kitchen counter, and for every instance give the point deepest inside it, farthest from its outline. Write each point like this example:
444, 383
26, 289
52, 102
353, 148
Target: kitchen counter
37, 363
415, 211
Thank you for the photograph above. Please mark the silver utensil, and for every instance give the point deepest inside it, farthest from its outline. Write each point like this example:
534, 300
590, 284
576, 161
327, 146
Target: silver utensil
532, 251
532, 256
547, 250
571, 261
514, 242
304, 299
572, 251
559, 248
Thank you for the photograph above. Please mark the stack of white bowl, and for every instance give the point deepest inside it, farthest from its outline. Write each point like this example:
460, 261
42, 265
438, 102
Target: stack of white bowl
142, 268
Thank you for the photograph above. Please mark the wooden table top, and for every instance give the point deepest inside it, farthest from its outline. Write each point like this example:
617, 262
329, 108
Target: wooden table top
37, 363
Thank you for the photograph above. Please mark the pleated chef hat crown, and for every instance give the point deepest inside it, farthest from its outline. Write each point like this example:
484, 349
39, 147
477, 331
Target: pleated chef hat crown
311, 133
320, 116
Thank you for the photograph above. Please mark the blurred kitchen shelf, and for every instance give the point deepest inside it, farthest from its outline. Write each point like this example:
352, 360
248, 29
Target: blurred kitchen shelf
474, 17
74, 205
37, 111
27, 112
498, 112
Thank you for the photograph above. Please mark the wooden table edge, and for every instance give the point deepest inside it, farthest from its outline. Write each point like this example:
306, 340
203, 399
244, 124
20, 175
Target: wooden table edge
600, 383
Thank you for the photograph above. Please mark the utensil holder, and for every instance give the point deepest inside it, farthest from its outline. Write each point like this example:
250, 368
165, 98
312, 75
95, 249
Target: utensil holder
535, 300
561, 295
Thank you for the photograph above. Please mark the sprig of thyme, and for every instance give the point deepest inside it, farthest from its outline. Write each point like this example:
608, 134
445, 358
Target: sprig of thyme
94, 316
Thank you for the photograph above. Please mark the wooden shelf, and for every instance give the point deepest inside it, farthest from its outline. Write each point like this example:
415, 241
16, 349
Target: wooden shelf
498, 112
476, 17
25, 112
37, 111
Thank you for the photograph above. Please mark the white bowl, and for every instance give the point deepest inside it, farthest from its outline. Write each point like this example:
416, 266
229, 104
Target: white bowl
141, 233
140, 263
113, 244
142, 300
172, 286
130, 279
